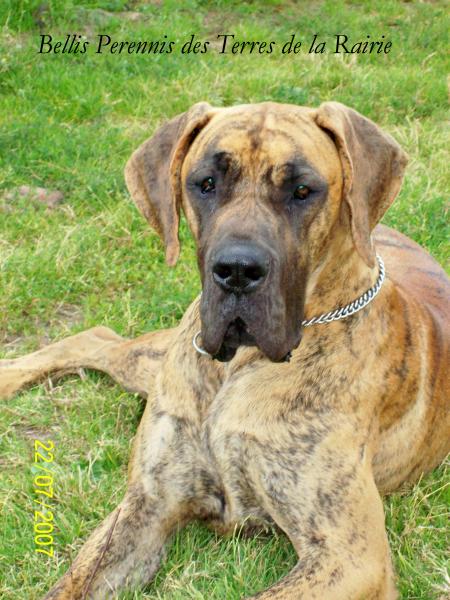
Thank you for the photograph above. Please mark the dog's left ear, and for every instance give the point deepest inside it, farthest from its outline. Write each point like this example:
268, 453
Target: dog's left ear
372, 164
153, 174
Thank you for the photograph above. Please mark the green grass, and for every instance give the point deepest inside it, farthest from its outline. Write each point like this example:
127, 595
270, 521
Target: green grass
70, 122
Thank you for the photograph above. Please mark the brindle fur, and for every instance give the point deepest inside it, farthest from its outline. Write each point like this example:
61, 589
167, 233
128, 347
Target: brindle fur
310, 444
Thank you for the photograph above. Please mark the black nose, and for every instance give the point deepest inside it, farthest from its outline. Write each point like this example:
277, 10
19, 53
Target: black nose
240, 268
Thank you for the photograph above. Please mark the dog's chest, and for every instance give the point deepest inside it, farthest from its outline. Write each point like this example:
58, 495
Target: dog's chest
245, 434
230, 464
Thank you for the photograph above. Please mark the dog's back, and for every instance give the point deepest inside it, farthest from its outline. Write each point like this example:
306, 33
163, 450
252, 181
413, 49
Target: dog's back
416, 436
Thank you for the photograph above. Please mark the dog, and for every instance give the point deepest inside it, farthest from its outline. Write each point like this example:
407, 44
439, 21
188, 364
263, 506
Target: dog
307, 380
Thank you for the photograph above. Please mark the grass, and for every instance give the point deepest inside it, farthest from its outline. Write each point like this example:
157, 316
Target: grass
70, 122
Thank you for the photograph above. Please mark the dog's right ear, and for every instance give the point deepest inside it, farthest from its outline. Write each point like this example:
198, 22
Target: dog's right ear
153, 174
372, 164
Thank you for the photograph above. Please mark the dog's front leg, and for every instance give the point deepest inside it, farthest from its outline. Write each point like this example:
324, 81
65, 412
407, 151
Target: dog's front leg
123, 552
324, 497
126, 549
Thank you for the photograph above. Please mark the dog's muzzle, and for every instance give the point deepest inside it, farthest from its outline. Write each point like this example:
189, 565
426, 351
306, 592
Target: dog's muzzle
239, 291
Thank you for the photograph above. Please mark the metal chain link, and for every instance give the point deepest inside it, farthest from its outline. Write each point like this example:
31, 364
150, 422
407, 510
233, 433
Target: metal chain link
353, 307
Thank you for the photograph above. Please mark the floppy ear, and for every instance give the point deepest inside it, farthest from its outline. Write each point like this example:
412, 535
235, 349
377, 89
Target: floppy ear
372, 164
153, 174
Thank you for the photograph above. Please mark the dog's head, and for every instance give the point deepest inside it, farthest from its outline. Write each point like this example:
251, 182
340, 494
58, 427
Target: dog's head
267, 190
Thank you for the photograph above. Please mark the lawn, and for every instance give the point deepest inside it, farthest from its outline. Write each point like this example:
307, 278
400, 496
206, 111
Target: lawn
69, 122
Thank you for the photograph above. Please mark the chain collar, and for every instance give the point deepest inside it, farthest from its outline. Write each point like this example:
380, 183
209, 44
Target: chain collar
353, 307
334, 315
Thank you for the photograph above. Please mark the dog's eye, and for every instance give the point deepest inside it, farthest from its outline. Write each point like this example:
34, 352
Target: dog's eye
301, 192
207, 185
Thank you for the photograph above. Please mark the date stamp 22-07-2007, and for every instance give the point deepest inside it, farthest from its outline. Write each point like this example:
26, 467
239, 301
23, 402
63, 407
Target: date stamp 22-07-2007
44, 494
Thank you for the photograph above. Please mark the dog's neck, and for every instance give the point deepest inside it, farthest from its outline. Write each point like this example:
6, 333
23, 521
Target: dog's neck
335, 283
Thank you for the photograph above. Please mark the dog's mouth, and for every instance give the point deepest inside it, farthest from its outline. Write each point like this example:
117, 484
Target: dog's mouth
261, 319
236, 334
223, 339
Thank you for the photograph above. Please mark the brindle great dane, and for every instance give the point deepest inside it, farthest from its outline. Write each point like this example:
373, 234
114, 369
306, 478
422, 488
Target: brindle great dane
301, 426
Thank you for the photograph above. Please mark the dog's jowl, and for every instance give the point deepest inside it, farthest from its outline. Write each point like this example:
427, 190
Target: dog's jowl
307, 380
